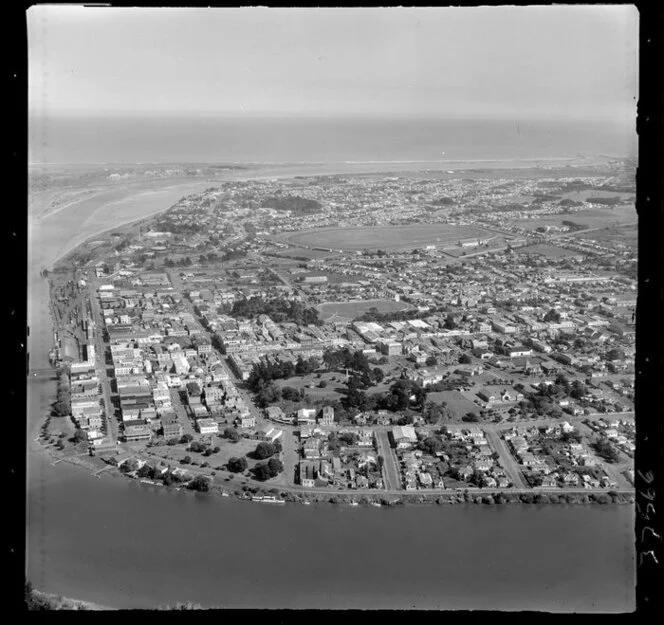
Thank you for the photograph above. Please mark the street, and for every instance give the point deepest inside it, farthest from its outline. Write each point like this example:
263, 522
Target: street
391, 471
506, 459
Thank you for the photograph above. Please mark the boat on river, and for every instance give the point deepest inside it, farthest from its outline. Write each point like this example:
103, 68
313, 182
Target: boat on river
272, 499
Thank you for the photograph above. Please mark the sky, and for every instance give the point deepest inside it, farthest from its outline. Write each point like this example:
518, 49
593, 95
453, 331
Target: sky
548, 61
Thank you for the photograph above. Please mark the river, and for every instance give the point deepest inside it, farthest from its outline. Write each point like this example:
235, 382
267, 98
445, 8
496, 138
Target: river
125, 545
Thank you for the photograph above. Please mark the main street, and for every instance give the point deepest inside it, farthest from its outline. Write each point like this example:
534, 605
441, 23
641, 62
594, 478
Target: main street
244, 394
100, 364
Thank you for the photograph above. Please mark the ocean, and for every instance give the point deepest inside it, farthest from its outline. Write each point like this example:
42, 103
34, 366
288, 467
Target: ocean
209, 139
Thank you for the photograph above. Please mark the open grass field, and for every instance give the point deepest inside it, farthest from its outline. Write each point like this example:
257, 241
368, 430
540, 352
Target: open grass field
336, 311
550, 251
591, 218
455, 401
626, 235
299, 252
385, 237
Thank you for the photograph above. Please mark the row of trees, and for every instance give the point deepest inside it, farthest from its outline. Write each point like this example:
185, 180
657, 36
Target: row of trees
402, 396
294, 203
62, 405
279, 310
262, 470
265, 371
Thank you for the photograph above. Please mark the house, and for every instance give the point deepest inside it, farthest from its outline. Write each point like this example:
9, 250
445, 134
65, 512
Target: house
403, 436
425, 479
214, 395
137, 431
464, 473
571, 479
308, 474
306, 415
276, 414
365, 438
269, 433
207, 426
118, 459
311, 448
171, 429
483, 465
360, 419
326, 416
247, 420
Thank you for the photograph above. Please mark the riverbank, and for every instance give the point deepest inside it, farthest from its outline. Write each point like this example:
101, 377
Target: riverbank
254, 491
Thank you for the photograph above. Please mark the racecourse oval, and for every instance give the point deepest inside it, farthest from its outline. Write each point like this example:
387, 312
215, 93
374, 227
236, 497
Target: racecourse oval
384, 237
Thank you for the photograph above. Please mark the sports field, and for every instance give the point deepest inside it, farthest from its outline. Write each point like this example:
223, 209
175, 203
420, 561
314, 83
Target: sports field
336, 311
386, 237
590, 218
547, 250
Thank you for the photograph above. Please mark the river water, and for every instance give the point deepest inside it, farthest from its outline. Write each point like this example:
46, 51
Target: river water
126, 545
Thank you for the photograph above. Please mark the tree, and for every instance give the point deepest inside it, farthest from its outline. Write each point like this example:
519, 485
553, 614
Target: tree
186, 438
606, 450
262, 472
146, 471
267, 395
80, 436
264, 450
431, 361
199, 483
552, 315
579, 390
290, 393
275, 466
232, 434
431, 445
129, 465
433, 412
471, 417
378, 375
615, 354
348, 438
62, 408
186, 460
237, 465
465, 359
